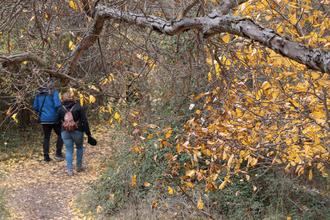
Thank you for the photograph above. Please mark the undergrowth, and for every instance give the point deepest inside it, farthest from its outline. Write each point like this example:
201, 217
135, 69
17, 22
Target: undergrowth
17, 143
270, 194
3, 212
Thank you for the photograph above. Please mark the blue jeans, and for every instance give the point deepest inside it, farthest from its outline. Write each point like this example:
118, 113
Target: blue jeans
70, 138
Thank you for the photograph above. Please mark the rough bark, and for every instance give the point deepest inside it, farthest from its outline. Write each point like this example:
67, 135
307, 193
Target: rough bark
214, 23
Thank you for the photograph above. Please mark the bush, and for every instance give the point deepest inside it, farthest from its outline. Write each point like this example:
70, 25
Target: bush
273, 195
114, 188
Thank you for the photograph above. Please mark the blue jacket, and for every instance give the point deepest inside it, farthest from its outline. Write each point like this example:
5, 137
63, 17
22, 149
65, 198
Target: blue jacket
49, 110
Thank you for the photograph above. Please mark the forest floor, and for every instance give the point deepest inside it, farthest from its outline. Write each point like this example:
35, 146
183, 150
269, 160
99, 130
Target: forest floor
39, 190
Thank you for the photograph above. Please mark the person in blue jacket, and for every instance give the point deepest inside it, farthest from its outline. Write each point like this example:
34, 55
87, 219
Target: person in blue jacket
46, 104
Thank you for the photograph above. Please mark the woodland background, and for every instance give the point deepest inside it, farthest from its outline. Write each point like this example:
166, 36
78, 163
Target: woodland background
216, 108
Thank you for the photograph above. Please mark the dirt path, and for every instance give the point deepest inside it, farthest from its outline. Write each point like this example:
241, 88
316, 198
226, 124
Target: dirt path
38, 190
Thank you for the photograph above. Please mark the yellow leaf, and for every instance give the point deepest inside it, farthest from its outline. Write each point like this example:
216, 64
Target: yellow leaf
226, 38
302, 87
223, 184
81, 99
154, 204
73, 5
310, 175
209, 76
146, 184
117, 116
230, 161
170, 190
259, 94
179, 148
133, 181
71, 45
190, 173
239, 112
200, 204
168, 134
92, 99
254, 161
319, 115
315, 75
293, 19
189, 184
14, 117
265, 85
99, 209
137, 149
288, 218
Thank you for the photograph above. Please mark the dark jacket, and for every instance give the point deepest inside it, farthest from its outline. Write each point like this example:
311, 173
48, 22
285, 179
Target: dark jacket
48, 110
78, 114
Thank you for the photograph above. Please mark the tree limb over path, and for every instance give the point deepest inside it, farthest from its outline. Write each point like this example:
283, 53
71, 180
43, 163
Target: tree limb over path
215, 23
27, 56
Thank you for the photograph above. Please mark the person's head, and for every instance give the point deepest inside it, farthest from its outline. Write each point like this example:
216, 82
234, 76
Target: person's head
50, 85
47, 87
68, 96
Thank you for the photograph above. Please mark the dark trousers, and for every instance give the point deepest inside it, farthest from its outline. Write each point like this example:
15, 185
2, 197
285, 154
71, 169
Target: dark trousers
47, 128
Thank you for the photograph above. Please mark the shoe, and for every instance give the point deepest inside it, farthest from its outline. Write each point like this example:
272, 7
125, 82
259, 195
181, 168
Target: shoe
80, 169
59, 158
70, 173
47, 159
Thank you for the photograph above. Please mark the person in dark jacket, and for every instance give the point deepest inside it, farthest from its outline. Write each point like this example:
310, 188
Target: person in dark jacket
46, 104
76, 136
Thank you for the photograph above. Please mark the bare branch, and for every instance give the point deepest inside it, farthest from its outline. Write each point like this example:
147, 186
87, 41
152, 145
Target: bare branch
225, 7
185, 11
315, 59
86, 7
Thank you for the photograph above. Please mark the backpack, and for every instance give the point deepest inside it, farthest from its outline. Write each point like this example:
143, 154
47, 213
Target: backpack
69, 124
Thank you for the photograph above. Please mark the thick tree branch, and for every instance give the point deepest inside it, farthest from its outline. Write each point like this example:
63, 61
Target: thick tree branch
27, 56
18, 58
89, 39
315, 59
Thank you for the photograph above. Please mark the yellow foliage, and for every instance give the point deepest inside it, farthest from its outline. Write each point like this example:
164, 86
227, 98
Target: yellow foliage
117, 116
226, 38
71, 45
73, 5
14, 117
223, 185
170, 190
200, 203
146, 184
133, 181
92, 99
168, 134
